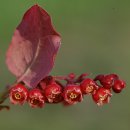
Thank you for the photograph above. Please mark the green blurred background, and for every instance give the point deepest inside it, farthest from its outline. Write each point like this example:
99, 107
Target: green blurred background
95, 39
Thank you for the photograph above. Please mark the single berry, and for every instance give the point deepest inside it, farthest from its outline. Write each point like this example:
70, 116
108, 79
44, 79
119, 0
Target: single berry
88, 86
72, 94
18, 94
72, 76
118, 86
36, 98
101, 96
53, 93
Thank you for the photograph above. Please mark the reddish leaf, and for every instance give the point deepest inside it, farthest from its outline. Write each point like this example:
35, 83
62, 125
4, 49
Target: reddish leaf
34, 46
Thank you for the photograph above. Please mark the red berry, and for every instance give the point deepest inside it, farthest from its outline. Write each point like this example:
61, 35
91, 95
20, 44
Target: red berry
46, 81
53, 93
72, 94
18, 94
88, 86
107, 80
118, 86
102, 96
36, 98
71, 75
99, 77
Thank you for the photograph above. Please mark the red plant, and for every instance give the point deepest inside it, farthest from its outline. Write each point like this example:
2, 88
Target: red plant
72, 94
31, 56
18, 94
88, 86
53, 93
36, 98
118, 86
102, 96
33, 48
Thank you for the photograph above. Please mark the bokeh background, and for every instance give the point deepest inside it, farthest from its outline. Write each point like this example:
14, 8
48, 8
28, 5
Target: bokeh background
95, 39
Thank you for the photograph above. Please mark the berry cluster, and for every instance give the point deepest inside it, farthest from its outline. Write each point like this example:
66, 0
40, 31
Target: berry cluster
52, 90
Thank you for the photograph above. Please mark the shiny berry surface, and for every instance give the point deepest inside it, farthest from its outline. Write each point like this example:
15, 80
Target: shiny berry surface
118, 86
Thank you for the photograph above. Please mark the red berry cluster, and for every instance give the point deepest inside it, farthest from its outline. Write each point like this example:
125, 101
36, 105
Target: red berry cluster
52, 90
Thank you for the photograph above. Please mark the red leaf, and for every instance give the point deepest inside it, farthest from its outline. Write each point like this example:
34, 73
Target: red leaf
33, 48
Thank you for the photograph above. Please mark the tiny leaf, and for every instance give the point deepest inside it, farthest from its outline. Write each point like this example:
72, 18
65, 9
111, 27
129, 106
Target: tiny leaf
33, 48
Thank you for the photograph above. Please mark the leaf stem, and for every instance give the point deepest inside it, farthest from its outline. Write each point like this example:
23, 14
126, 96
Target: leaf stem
3, 96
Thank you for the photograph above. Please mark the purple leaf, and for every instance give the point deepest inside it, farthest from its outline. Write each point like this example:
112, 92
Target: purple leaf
33, 48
